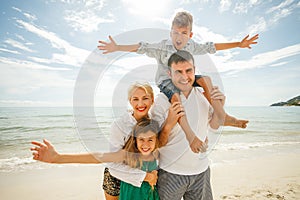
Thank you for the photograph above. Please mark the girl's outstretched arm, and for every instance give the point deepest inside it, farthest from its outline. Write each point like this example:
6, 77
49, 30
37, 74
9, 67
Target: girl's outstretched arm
45, 152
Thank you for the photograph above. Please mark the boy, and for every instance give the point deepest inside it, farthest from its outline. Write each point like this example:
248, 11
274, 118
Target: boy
181, 34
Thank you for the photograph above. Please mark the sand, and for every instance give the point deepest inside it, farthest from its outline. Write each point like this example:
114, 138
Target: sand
268, 177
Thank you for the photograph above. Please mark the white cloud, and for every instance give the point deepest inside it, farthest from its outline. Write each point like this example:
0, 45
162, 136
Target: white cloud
21, 103
85, 16
282, 5
23, 77
224, 5
73, 56
244, 6
146, 8
9, 51
29, 16
259, 26
85, 21
271, 59
17, 45
16, 63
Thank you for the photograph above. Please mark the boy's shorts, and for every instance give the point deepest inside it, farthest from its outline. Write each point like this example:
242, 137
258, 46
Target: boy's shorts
111, 185
169, 89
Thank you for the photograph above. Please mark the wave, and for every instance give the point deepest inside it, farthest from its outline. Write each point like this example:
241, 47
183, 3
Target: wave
27, 129
245, 146
15, 163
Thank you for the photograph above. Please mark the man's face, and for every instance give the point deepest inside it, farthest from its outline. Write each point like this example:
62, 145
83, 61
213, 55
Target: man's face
180, 36
183, 76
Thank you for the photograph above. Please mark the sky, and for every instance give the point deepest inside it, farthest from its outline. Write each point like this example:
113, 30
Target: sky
44, 44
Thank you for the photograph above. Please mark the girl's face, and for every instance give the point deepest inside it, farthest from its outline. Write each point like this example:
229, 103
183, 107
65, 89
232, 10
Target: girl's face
141, 103
146, 143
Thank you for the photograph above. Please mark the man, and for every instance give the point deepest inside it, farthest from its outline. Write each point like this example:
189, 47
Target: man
182, 173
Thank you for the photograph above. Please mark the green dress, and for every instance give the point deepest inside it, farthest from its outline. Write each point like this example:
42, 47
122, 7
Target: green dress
145, 192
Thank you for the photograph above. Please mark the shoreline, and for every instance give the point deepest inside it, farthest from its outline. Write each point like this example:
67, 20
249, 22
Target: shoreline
265, 177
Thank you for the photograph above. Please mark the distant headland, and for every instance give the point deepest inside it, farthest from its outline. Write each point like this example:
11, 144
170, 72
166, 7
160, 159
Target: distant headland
292, 102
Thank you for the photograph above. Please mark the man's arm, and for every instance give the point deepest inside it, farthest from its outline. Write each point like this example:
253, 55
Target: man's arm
112, 46
245, 43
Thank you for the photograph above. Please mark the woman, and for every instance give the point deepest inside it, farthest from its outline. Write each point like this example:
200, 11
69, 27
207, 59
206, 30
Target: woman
141, 98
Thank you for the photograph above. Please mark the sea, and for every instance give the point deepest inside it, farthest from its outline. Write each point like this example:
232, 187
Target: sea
271, 130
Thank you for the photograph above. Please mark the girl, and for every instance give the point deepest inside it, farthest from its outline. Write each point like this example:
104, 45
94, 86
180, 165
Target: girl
139, 152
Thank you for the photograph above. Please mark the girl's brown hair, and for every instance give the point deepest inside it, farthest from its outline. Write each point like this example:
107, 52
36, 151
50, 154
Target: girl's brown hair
133, 156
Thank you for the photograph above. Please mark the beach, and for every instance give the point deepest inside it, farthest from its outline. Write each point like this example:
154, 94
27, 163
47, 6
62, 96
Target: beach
269, 177
259, 162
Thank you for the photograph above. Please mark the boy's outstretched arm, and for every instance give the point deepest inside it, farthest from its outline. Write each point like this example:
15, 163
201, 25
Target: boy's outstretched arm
245, 43
112, 46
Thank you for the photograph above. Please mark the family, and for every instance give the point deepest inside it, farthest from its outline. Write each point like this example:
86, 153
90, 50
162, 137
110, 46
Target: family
154, 153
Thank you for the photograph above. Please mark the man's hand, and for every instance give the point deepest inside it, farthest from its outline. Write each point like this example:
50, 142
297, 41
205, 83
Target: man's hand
198, 146
151, 178
245, 43
108, 47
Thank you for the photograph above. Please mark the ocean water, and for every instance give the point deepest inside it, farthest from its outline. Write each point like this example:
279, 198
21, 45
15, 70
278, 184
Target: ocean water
273, 130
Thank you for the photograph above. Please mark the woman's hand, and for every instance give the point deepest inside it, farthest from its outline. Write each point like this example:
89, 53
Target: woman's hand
151, 178
44, 152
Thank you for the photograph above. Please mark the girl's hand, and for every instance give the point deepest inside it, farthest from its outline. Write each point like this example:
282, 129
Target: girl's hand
108, 47
176, 111
44, 152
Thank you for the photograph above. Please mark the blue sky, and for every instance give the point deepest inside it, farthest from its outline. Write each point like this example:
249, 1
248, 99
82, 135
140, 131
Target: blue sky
43, 45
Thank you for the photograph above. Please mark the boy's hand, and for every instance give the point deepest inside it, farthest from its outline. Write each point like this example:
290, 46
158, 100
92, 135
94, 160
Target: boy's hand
245, 43
108, 47
198, 146
44, 152
216, 94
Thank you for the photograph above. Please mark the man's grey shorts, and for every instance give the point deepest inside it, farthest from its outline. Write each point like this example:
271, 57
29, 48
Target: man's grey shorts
190, 187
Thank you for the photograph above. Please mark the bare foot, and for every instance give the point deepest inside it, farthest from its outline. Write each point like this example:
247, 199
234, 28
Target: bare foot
232, 121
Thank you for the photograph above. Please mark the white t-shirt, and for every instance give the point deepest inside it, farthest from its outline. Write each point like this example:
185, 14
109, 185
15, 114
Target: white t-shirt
177, 157
120, 132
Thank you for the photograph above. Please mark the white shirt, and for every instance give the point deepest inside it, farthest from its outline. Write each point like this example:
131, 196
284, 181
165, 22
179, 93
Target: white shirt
177, 157
120, 132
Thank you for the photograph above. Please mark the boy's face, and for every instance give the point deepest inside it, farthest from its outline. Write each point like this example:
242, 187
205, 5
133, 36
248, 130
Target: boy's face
180, 36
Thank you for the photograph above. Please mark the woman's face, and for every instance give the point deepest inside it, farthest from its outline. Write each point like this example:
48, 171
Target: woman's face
141, 103
146, 143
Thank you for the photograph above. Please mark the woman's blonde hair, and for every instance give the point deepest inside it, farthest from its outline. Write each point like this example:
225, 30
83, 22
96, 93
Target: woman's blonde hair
133, 156
144, 86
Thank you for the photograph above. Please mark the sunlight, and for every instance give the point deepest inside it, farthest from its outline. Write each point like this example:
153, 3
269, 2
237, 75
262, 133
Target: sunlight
146, 8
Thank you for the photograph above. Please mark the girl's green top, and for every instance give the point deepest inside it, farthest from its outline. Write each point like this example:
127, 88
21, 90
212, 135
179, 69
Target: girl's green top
145, 192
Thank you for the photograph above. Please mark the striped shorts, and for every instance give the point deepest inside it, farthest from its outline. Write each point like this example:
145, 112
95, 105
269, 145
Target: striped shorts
190, 187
